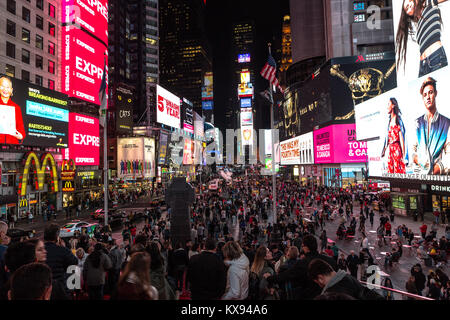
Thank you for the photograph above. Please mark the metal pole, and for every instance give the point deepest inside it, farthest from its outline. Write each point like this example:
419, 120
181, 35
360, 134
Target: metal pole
105, 166
274, 178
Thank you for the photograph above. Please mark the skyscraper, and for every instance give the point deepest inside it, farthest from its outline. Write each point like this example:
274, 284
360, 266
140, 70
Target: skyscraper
184, 50
134, 54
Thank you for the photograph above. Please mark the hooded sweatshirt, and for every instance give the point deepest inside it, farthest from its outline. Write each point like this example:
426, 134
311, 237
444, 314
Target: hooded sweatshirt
237, 280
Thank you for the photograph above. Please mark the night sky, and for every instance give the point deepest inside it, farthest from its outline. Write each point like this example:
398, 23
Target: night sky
268, 17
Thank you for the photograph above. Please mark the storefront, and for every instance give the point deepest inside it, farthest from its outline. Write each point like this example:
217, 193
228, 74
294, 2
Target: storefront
407, 201
440, 197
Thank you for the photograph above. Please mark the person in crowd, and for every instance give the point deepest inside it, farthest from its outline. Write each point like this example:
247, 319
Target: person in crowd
329, 280
352, 264
178, 262
117, 256
94, 271
32, 281
258, 286
238, 272
419, 278
134, 283
158, 271
206, 274
388, 294
59, 258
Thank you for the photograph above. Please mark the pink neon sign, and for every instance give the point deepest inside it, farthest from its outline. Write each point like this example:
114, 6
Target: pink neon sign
84, 139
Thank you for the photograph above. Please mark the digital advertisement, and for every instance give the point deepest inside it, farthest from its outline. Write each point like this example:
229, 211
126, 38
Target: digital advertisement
247, 135
199, 126
84, 139
168, 108
244, 58
246, 117
422, 46
91, 15
306, 148
163, 140
207, 88
408, 146
338, 144
124, 101
187, 112
246, 102
32, 115
188, 152
136, 157
207, 104
290, 151
83, 62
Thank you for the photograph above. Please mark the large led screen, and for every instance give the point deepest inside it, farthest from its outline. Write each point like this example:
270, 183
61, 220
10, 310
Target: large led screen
208, 88
338, 144
91, 15
413, 129
84, 139
290, 151
422, 44
32, 115
136, 157
168, 108
124, 101
83, 61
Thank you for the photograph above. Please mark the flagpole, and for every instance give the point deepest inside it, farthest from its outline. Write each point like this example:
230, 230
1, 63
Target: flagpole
274, 178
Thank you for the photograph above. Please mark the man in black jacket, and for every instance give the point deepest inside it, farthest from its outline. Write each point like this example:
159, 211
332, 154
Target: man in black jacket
207, 274
352, 264
339, 282
304, 287
59, 258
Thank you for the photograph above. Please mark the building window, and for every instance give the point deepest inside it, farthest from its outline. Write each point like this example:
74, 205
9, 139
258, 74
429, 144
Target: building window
51, 10
51, 84
25, 35
10, 28
360, 17
39, 62
39, 80
39, 22
11, 6
10, 71
26, 14
51, 29
51, 48
10, 50
39, 42
40, 4
51, 67
25, 56
25, 75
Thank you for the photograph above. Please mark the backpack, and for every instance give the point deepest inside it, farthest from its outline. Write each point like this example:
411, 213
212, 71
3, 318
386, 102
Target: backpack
253, 286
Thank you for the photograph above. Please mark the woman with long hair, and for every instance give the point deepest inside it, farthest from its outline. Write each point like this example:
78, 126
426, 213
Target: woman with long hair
238, 271
425, 17
134, 283
395, 140
157, 272
261, 265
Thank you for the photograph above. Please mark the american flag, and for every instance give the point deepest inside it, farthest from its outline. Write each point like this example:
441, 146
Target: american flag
269, 72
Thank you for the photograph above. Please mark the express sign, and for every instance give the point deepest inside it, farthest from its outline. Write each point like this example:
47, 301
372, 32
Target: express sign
82, 65
168, 110
84, 139
91, 15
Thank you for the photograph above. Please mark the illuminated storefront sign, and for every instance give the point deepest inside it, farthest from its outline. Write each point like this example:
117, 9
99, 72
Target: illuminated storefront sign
40, 171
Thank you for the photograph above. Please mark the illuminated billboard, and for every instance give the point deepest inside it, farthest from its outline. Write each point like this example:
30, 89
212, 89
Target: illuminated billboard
207, 104
168, 108
245, 76
187, 113
247, 135
246, 117
163, 140
91, 15
199, 125
207, 88
409, 147
83, 60
124, 100
246, 102
84, 139
244, 58
421, 46
245, 90
290, 151
32, 115
136, 157
188, 152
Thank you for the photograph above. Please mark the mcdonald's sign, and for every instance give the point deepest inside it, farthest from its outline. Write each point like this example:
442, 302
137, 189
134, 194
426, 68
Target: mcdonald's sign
40, 169
68, 186
68, 169
23, 203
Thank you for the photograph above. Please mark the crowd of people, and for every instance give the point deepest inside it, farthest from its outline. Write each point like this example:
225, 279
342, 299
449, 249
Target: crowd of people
235, 252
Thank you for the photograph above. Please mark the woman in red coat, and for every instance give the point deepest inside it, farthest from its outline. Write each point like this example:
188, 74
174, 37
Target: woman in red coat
6, 91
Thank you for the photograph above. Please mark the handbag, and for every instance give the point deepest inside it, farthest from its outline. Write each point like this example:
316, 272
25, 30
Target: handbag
185, 294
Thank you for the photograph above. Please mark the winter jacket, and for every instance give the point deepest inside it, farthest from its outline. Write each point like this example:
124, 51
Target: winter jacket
59, 259
159, 281
96, 276
344, 283
207, 276
237, 279
117, 257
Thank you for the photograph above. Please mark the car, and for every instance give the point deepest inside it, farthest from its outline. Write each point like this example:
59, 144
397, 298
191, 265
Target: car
68, 230
99, 214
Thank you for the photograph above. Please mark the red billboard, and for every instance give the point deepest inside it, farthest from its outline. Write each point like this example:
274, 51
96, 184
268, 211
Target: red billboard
91, 15
84, 139
82, 65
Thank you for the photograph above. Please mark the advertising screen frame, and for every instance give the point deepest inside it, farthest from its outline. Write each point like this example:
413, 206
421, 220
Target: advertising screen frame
162, 114
84, 130
290, 151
